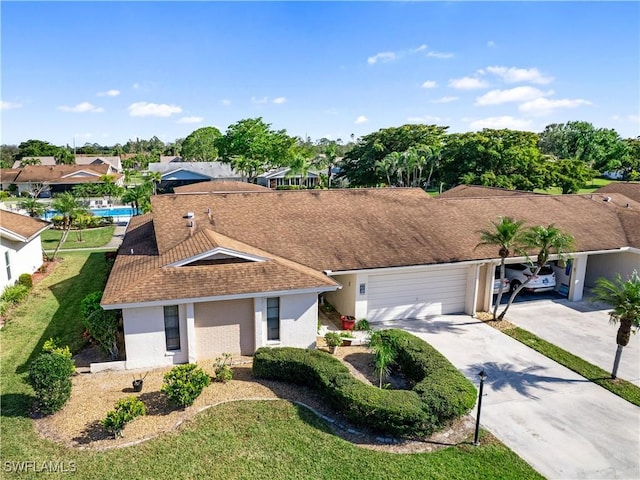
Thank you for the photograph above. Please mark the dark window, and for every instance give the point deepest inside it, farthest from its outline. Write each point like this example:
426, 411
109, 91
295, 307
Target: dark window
273, 318
8, 262
172, 327
546, 271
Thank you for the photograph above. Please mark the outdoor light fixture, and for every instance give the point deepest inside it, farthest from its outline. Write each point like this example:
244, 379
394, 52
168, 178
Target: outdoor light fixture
483, 377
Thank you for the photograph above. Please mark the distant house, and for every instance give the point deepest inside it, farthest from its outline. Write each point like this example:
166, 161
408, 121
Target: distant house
40, 161
20, 246
114, 161
178, 174
284, 177
170, 159
58, 178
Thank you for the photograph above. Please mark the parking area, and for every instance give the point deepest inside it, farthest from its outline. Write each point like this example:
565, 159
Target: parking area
581, 328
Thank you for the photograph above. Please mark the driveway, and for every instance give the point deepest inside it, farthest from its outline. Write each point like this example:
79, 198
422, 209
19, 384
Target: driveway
581, 328
563, 425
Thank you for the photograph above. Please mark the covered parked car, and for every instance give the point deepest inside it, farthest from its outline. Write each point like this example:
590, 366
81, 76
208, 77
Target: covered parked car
497, 283
518, 273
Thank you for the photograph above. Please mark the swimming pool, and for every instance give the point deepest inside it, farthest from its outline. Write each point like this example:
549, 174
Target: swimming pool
116, 212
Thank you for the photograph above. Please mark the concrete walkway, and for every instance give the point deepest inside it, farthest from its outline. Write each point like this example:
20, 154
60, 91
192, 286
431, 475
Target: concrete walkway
563, 425
581, 328
113, 244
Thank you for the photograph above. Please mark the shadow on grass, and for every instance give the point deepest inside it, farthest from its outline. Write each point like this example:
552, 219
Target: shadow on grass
66, 322
16, 405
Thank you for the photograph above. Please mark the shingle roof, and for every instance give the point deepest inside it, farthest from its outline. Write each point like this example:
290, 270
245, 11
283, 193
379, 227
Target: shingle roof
212, 170
220, 186
339, 230
475, 191
60, 173
628, 189
43, 161
21, 226
9, 175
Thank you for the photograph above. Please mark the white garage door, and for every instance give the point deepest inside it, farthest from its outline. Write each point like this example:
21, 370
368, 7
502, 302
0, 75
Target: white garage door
416, 294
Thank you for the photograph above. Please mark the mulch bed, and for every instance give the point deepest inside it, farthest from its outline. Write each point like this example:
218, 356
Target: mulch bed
78, 425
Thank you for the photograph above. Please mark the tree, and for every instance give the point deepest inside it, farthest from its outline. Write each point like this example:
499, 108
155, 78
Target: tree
385, 355
64, 157
69, 207
569, 175
507, 235
33, 207
8, 155
547, 241
624, 296
201, 145
326, 159
139, 197
251, 147
36, 148
154, 178
630, 163
25, 162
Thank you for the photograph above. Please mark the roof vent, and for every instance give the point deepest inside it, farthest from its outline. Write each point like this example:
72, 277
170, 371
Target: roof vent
190, 224
132, 251
606, 199
189, 215
626, 206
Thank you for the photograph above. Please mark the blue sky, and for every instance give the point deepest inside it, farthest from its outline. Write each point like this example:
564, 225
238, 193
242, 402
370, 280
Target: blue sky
108, 72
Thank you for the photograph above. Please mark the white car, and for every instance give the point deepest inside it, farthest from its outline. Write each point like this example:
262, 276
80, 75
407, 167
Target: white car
518, 273
496, 283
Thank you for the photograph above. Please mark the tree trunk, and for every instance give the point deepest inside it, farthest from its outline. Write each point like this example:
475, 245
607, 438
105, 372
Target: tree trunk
499, 298
616, 362
624, 332
63, 238
518, 290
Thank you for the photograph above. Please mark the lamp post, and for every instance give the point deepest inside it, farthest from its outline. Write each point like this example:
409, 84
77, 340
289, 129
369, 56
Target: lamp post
483, 377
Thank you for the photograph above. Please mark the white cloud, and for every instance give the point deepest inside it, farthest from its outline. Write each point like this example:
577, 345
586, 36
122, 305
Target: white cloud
442, 55
445, 100
430, 84
419, 49
544, 106
190, 119
9, 105
109, 93
279, 100
225, 102
149, 109
491, 44
467, 83
500, 122
424, 119
382, 57
136, 86
517, 75
259, 101
83, 107
361, 119
517, 94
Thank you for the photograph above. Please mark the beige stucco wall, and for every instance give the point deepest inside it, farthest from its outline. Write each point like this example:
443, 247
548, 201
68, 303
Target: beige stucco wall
608, 264
344, 300
224, 327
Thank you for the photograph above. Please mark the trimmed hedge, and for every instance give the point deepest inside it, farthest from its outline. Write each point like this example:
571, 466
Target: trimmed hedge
440, 392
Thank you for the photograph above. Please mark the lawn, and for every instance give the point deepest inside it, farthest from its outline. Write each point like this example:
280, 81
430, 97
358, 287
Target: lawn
257, 440
91, 238
595, 184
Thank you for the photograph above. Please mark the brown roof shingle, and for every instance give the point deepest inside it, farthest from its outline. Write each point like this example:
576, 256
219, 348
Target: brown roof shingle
22, 225
628, 189
59, 173
475, 191
220, 186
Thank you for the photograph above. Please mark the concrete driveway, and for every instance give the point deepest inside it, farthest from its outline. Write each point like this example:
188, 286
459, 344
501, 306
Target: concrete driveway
563, 425
581, 328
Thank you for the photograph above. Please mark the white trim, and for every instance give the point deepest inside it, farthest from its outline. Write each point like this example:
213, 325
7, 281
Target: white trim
8, 234
182, 169
162, 303
216, 251
88, 173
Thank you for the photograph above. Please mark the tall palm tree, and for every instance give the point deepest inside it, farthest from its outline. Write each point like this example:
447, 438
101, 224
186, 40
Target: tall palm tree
32, 206
547, 240
625, 299
69, 207
507, 235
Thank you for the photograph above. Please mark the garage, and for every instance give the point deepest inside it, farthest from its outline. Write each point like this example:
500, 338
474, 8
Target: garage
224, 327
416, 294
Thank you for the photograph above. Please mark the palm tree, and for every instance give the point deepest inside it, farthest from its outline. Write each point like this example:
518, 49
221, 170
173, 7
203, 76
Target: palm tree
69, 207
547, 240
625, 299
138, 197
33, 207
385, 355
507, 235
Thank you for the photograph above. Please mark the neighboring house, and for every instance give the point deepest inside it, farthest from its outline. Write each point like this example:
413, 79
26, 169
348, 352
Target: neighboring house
8, 177
20, 246
93, 160
60, 178
170, 159
283, 177
43, 161
628, 189
185, 173
220, 186
474, 191
211, 273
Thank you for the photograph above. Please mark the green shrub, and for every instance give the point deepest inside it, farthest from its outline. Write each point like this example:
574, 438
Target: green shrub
50, 377
26, 280
363, 325
102, 325
125, 410
222, 368
333, 339
184, 383
58, 221
4, 195
53, 346
14, 294
439, 395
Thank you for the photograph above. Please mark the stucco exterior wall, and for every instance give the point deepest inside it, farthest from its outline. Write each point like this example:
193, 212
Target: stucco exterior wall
608, 264
224, 327
145, 339
344, 300
23, 258
298, 321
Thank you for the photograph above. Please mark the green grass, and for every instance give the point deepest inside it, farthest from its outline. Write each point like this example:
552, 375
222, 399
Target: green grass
622, 388
91, 238
239, 440
595, 184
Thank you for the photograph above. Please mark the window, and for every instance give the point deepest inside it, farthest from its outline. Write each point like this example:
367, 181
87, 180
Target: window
273, 318
8, 262
172, 327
